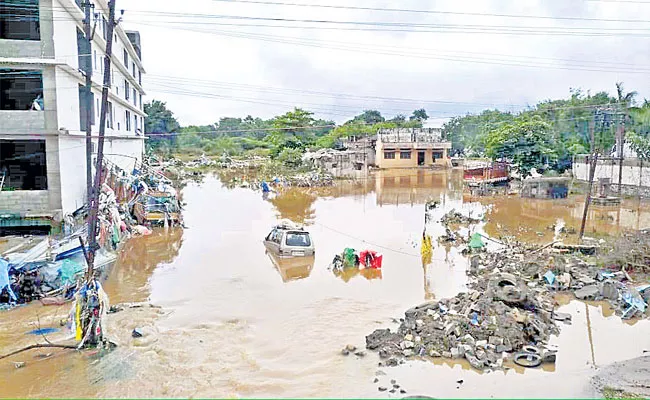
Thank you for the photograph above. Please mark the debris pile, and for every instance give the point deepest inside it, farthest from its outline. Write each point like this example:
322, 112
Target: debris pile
508, 313
50, 269
453, 217
504, 321
311, 179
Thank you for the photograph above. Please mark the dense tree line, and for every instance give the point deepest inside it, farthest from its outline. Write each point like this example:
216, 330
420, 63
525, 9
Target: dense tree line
545, 136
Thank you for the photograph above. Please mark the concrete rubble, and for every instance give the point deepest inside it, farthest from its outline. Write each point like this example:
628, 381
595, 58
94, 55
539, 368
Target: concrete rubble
508, 313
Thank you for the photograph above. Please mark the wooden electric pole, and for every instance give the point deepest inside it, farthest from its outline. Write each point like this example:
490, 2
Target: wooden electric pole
87, 68
94, 199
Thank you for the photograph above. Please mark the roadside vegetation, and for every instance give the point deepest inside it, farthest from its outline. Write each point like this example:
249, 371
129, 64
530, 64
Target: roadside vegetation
545, 136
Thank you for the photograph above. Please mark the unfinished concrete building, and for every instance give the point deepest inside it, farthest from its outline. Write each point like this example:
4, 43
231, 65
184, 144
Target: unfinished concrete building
43, 54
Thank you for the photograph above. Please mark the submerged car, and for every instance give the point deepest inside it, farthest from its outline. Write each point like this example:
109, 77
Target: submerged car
289, 240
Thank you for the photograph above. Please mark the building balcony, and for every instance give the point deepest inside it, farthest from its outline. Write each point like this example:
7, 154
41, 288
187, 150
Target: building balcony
22, 121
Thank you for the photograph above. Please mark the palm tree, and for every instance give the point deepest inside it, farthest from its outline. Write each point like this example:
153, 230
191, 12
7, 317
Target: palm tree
626, 99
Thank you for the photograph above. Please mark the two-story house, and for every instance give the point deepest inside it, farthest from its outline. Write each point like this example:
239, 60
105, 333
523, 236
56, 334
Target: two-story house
411, 147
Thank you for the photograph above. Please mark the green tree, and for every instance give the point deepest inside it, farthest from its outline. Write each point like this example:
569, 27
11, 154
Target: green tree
527, 141
292, 130
419, 115
640, 144
369, 117
230, 126
159, 118
398, 119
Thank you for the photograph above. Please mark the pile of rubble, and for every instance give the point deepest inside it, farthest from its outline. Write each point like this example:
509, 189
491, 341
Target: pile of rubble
508, 314
311, 179
506, 320
453, 217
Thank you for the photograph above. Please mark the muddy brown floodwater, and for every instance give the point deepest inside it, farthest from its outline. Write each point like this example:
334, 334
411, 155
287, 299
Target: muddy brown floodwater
231, 321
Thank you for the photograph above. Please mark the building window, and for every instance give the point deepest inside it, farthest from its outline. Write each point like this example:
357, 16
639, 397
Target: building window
142, 124
133, 68
98, 107
405, 154
23, 164
105, 28
21, 90
135, 123
126, 59
389, 155
83, 106
83, 52
128, 120
135, 98
20, 20
109, 117
437, 155
140, 77
140, 100
127, 89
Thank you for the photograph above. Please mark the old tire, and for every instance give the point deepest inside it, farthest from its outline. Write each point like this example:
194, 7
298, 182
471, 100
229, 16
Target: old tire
528, 360
531, 349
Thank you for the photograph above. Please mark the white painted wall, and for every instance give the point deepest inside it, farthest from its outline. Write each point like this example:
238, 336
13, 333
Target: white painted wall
67, 101
72, 164
633, 173
124, 153
65, 35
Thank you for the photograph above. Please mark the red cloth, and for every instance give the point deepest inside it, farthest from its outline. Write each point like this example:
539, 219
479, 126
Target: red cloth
370, 259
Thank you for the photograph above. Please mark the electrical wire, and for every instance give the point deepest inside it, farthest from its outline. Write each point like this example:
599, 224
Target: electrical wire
346, 47
399, 10
402, 10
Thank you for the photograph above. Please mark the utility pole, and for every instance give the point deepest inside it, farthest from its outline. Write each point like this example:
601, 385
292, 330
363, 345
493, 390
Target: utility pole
593, 158
620, 147
94, 199
88, 71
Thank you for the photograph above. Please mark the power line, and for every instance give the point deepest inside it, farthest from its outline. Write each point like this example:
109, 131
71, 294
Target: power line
399, 10
433, 11
364, 48
209, 83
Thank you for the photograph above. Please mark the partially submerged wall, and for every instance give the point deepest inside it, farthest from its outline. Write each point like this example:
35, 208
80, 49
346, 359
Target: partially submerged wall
635, 173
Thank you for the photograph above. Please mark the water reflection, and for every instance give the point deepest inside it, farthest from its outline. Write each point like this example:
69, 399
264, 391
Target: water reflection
127, 280
348, 273
295, 204
414, 186
292, 268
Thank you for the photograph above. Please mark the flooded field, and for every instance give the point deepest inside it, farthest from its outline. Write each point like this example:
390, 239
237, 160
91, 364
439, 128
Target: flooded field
231, 321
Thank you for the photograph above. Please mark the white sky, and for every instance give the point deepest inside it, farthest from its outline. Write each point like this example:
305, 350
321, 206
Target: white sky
266, 74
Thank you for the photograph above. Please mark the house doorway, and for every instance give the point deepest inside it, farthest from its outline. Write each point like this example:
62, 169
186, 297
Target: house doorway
420, 158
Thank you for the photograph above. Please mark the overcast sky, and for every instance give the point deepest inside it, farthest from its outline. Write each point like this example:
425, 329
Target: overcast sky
206, 66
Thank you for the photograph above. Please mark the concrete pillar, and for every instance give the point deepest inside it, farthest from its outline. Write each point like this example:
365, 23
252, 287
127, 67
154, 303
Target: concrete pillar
47, 28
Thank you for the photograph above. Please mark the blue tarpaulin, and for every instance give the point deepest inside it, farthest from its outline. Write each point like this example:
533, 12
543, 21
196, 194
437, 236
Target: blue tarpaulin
550, 277
4, 278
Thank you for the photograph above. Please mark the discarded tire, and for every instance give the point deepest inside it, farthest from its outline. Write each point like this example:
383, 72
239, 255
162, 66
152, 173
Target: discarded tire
528, 360
511, 295
530, 349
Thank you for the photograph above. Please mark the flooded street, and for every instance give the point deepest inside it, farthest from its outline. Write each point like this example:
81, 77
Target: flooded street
231, 321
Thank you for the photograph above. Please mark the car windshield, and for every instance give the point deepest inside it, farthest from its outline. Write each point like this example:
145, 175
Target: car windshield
300, 239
